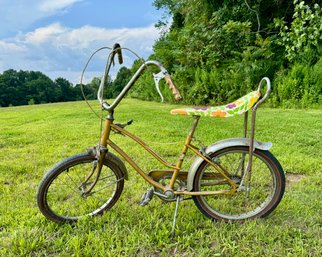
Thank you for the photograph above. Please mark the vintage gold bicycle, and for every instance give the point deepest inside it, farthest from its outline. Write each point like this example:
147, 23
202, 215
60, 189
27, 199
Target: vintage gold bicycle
232, 180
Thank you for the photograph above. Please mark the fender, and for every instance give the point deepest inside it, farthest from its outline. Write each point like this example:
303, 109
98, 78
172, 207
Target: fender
118, 162
112, 158
219, 146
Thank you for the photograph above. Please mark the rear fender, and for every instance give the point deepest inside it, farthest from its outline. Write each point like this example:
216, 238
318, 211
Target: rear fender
219, 146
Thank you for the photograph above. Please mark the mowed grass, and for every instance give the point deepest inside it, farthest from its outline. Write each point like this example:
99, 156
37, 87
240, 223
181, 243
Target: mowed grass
34, 138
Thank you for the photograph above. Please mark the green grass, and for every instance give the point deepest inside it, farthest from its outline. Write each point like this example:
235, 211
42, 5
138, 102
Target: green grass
34, 138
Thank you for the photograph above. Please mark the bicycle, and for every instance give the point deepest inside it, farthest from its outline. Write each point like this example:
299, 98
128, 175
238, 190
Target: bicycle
234, 179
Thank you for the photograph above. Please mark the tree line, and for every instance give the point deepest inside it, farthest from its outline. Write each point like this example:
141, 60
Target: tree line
33, 87
216, 51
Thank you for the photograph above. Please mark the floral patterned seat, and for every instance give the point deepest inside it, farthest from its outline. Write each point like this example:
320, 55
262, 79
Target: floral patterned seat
237, 107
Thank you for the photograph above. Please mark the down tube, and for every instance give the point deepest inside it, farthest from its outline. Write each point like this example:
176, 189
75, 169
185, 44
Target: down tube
134, 165
142, 143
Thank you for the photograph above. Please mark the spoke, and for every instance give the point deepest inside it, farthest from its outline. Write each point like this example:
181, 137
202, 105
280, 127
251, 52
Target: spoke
72, 179
108, 185
99, 197
109, 176
238, 205
64, 200
68, 185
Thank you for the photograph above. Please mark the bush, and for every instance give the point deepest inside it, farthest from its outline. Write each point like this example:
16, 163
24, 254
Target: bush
301, 86
302, 38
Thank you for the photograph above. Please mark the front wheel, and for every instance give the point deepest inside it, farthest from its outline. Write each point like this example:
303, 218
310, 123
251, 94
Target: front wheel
255, 199
61, 195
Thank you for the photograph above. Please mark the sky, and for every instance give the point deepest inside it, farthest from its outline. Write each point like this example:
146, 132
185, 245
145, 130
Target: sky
57, 37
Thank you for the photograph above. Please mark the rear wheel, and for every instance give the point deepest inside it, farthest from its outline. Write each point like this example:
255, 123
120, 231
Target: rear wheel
256, 200
61, 195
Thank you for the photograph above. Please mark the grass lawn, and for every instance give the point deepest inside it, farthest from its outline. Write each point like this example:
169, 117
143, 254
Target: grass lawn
34, 138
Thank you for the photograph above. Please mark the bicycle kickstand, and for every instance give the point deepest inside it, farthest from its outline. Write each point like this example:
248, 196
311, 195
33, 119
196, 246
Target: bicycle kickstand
175, 215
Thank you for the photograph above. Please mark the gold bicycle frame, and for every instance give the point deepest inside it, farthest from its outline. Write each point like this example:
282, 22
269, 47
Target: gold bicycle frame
106, 141
109, 125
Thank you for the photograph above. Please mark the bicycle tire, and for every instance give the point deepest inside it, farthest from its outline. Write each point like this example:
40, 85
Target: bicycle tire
59, 194
266, 189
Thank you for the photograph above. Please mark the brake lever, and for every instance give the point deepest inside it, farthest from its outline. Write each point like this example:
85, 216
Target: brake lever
157, 77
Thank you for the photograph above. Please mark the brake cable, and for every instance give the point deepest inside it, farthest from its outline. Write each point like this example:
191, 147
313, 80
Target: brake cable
85, 67
82, 76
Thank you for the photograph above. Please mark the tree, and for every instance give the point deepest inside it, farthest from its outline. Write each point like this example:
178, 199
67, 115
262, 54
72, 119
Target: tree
32, 87
66, 92
219, 50
41, 89
122, 78
302, 37
12, 88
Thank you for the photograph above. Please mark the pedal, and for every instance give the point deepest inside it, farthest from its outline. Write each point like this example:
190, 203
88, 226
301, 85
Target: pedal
147, 197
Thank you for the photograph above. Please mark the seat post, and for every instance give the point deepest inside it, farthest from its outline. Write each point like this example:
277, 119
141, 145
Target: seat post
184, 150
194, 126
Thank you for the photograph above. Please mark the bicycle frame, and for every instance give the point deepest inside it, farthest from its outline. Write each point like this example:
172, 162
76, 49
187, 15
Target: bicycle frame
109, 126
222, 169
107, 142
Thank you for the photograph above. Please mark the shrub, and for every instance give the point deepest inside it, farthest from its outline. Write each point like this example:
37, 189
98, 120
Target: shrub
301, 86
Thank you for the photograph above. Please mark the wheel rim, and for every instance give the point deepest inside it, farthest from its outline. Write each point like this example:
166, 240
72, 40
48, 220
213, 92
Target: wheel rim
238, 206
65, 198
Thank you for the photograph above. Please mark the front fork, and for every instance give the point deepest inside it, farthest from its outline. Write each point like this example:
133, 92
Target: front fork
100, 156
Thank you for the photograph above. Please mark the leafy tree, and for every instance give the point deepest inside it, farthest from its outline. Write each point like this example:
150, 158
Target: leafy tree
302, 37
65, 92
32, 87
218, 50
215, 50
41, 89
94, 84
87, 90
122, 78
12, 88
